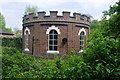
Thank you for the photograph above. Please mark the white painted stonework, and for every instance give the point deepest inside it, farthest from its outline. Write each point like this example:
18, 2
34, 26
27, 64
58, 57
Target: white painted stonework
27, 29
53, 28
81, 31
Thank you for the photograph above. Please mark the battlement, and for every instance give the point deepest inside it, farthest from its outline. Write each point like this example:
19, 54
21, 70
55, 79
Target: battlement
41, 16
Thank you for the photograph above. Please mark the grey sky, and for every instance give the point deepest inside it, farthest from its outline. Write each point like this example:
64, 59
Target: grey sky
13, 10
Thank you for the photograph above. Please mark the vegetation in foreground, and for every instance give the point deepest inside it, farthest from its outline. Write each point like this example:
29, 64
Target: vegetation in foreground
100, 60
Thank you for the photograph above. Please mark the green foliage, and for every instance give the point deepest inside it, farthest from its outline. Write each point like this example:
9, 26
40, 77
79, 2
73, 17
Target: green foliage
100, 60
114, 21
87, 65
2, 21
94, 24
103, 55
12, 42
16, 66
2, 24
31, 9
17, 32
19, 65
8, 30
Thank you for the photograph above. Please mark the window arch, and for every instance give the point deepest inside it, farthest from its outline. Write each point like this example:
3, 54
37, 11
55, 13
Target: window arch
51, 28
26, 34
53, 40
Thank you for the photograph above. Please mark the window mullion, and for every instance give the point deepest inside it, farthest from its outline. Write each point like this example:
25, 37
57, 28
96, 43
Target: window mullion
53, 41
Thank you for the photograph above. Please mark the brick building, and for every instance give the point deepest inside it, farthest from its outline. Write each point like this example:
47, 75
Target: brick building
47, 34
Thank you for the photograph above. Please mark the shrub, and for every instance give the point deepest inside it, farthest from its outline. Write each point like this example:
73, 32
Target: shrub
12, 42
99, 60
103, 55
16, 64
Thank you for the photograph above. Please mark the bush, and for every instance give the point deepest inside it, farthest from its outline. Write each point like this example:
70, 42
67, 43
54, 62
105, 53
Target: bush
10, 50
103, 55
16, 64
19, 65
12, 42
99, 60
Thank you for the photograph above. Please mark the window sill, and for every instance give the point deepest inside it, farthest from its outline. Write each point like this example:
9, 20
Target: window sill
52, 52
26, 49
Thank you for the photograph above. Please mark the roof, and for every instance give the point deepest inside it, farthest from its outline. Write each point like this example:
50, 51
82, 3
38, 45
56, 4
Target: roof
4, 32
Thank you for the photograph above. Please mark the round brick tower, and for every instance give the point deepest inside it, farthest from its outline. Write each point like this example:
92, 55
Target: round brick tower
54, 34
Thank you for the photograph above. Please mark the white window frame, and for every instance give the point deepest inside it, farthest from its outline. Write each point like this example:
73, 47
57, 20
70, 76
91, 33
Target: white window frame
47, 32
26, 29
81, 30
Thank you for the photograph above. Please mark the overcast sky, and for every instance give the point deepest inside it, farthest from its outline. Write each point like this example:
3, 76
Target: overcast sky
13, 10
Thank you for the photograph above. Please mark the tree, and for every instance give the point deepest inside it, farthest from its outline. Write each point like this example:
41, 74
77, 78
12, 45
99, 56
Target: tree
114, 21
103, 48
31, 9
2, 24
94, 24
17, 32
8, 29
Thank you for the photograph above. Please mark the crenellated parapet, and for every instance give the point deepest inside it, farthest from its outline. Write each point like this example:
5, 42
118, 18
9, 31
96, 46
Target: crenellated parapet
65, 17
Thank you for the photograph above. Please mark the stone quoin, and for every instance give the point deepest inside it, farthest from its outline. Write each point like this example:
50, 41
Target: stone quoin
54, 34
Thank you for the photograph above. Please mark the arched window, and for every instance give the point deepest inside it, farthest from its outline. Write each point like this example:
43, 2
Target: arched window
82, 39
82, 34
53, 33
26, 34
53, 40
26, 40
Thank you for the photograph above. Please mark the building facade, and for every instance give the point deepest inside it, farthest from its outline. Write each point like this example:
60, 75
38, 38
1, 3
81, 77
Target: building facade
54, 34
